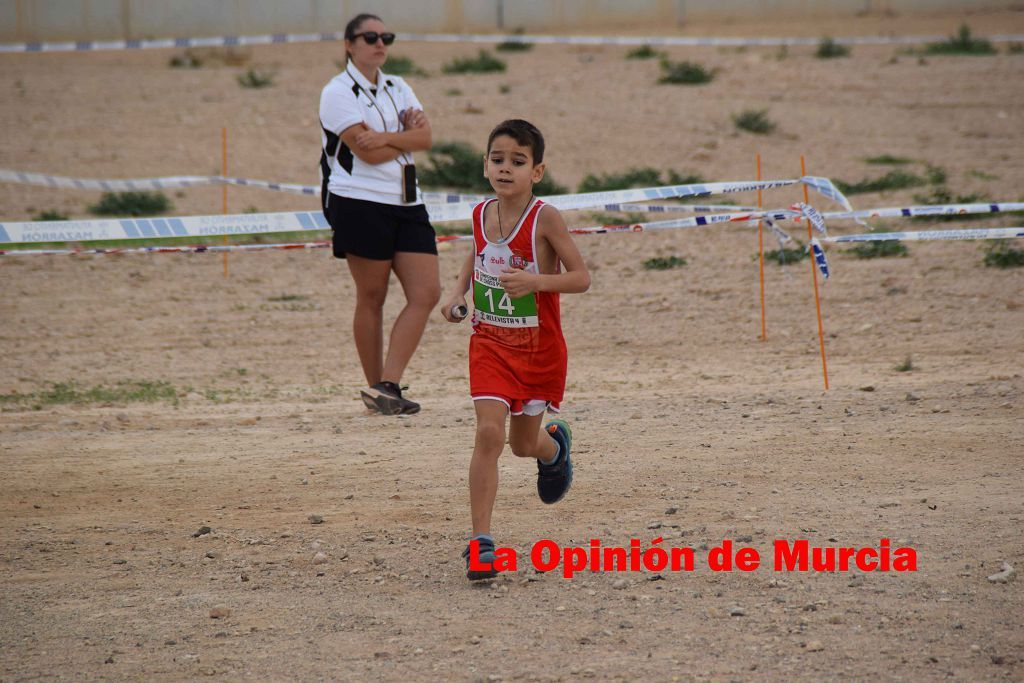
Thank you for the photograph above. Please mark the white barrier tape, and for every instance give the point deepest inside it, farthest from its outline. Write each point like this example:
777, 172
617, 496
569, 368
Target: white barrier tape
673, 224
137, 228
217, 41
796, 213
194, 249
112, 185
901, 212
23, 178
209, 226
204, 226
679, 41
928, 235
780, 235
128, 184
462, 203
928, 210
444, 198
109, 185
824, 186
567, 202
818, 252
812, 215
310, 190
654, 41
992, 233
314, 190
672, 208
694, 222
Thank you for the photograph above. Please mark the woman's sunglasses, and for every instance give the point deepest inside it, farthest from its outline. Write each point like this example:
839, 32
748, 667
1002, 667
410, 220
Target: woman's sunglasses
371, 37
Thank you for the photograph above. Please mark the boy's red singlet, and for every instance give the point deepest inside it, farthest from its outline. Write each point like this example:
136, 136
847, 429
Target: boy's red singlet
517, 351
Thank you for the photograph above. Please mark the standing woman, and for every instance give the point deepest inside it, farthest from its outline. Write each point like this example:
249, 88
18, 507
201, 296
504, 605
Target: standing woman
371, 124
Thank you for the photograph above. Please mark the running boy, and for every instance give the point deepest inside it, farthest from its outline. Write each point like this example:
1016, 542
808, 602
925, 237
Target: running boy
517, 354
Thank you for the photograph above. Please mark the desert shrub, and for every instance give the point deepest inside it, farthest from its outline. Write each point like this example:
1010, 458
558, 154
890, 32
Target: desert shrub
1000, 254
188, 60
684, 73
981, 175
514, 46
880, 249
547, 187
484, 62
664, 262
198, 57
830, 49
128, 391
131, 204
630, 218
893, 180
869, 250
643, 52
634, 177
963, 43
906, 366
402, 66
231, 55
455, 165
888, 159
256, 79
675, 178
786, 254
941, 195
459, 166
50, 215
754, 121
936, 175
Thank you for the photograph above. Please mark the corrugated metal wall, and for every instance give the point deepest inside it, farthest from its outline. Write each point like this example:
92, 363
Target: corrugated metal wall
62, 20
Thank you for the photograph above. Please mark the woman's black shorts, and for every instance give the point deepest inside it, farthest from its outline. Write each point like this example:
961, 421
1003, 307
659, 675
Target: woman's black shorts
377, 231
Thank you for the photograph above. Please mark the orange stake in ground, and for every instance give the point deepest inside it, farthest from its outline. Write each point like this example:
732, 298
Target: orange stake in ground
224, 186
814, 275
760, 252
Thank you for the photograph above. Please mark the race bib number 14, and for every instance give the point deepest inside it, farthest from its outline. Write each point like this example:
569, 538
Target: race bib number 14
495, 307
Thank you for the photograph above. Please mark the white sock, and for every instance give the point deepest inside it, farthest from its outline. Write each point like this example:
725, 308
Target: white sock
558, 453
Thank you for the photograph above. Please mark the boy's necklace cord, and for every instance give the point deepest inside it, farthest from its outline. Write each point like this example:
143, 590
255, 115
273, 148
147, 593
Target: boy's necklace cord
501, 232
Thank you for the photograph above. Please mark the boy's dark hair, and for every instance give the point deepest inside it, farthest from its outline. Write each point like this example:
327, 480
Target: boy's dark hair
523, 132
352, 27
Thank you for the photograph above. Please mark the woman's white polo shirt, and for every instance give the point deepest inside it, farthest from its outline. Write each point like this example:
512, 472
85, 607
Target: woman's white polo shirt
349, 99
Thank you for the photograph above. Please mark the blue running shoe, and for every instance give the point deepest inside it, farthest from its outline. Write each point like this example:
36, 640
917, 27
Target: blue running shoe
485, 555
554, 480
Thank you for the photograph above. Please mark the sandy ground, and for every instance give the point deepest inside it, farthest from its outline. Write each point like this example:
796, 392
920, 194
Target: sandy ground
687, 426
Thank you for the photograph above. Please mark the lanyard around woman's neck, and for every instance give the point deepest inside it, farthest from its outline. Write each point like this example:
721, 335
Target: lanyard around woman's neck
373, 101
371, 95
